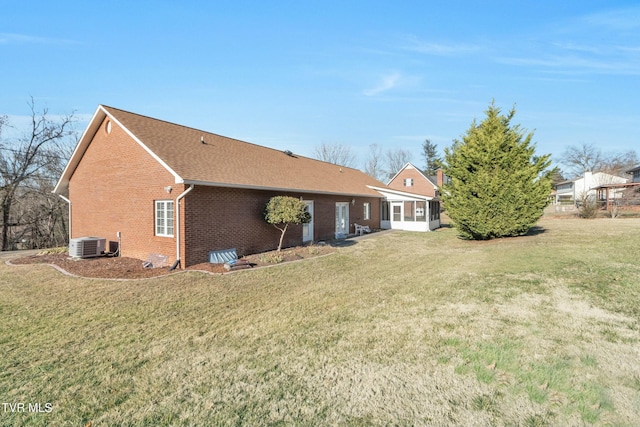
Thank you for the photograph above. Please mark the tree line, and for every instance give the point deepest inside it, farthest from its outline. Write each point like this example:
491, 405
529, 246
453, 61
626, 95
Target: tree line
383, 165
380, 164
30, 165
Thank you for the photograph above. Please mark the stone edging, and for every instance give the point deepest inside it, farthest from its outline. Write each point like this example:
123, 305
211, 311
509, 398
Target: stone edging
65, 272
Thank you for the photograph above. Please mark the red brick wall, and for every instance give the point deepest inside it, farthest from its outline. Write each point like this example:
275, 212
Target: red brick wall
117, 182
420, 183
113, 189
222, 218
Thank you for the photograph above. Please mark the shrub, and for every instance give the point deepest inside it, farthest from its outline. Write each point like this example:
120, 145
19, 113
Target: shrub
587, 208
281, 211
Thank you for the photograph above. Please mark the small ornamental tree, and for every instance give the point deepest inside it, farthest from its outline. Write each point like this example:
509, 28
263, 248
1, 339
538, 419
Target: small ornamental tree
498, 186
284, 210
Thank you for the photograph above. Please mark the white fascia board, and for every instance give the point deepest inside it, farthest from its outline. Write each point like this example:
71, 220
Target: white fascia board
256, 187
390, 194
435, 187
398, 173
141, 144
62, 186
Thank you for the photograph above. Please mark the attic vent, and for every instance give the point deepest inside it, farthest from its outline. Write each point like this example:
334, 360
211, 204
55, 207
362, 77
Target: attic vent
288, 153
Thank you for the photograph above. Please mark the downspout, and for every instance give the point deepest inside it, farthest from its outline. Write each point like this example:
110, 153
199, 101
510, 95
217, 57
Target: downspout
69, 202
184, 193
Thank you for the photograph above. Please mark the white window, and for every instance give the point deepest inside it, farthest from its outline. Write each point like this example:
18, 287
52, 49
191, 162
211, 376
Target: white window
421, 211
164, 218
367, 211
410, 211
408, 182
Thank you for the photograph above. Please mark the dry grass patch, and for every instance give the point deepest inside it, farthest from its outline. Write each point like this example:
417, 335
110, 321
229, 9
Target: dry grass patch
399, 329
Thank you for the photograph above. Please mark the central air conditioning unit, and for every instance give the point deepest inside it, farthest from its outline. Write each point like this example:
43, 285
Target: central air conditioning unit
87, 247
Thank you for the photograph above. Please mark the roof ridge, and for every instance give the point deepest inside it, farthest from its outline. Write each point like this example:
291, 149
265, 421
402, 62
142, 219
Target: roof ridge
107, 107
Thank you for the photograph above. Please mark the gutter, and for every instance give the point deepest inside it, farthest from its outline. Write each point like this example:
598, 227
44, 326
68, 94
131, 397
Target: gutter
69, 202
184, 193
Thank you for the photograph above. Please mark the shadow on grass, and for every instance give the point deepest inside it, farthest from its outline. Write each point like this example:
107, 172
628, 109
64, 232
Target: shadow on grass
536, 230
342, 243
533, 231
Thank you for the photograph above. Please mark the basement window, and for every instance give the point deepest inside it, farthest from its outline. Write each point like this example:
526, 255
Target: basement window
164, 218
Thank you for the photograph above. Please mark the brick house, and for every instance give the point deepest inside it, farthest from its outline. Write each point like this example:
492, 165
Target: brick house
411, 201
162, 188
411, 179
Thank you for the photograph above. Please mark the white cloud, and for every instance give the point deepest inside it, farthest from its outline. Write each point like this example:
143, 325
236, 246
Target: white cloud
387, 82
415, 44
13, 38
625, 19
576, 64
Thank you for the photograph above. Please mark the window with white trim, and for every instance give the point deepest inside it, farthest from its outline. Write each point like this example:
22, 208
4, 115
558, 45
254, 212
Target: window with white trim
409, 211
367, 211
164, 218
421, 211
408, 182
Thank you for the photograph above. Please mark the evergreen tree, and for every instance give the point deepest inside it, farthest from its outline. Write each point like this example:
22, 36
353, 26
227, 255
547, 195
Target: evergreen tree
498, 186
432, 161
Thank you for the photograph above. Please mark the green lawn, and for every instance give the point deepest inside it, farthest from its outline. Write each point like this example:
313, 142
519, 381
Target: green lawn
398, 329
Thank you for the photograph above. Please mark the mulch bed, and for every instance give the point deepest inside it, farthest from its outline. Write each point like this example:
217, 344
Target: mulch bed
131, 268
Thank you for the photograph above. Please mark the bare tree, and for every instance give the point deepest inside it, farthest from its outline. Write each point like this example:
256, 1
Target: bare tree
585, 158
337, 154
589, 158
396, 159
373, 166
618, 164
30, 165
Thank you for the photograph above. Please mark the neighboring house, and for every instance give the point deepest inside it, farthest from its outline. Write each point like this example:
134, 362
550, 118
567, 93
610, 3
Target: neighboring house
635, 172
412, 180
620, 193
411, 201
161, 188
571, 191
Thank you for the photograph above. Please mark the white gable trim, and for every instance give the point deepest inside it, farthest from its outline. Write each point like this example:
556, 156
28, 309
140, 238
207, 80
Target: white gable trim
178, 178
390, 194
410, 165
62, 187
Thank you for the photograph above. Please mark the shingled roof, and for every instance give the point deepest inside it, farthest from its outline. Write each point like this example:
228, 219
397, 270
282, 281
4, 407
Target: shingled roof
193, 156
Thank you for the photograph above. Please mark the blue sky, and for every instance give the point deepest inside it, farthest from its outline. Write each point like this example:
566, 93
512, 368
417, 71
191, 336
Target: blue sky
296, 74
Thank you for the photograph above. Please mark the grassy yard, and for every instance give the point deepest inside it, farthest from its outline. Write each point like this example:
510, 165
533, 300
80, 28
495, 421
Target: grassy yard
398, 329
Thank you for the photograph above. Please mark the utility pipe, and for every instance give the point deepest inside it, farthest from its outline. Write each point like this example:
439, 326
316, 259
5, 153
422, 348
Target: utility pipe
69, 202
184, 193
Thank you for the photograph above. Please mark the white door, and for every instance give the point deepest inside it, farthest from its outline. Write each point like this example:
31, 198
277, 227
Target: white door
307, 229
396, 214
342, 219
